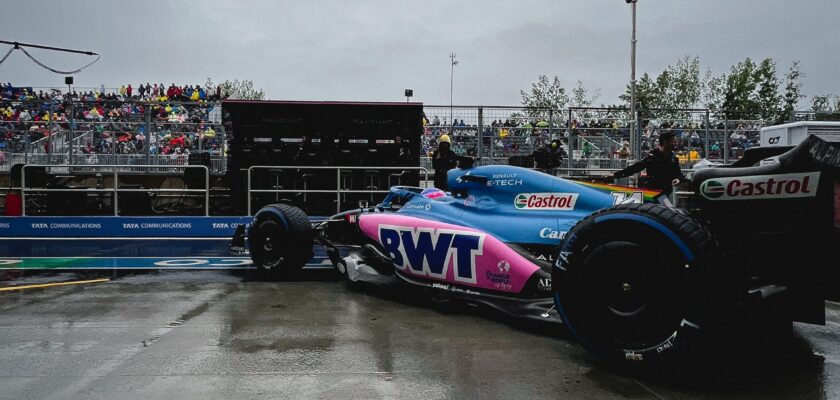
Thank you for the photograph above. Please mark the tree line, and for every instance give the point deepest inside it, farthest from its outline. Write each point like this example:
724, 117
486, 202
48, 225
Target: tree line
749, 90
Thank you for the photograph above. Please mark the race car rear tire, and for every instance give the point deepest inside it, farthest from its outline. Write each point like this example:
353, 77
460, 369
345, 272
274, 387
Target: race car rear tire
633, 283
280, 241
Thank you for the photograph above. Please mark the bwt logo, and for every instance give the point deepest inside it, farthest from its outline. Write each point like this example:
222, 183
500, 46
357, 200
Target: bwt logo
428, 251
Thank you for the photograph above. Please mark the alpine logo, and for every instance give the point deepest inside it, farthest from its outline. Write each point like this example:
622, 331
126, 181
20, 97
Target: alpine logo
430, 251
503, 266
545, 201
761, 187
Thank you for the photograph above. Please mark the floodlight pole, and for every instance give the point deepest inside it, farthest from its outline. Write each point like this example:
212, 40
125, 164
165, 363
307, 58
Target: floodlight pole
634, 131
453, 62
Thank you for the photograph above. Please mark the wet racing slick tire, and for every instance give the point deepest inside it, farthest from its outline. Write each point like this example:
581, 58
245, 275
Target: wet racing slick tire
632, 283
280, 240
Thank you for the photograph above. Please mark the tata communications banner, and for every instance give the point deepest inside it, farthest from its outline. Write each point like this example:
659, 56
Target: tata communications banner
87, 227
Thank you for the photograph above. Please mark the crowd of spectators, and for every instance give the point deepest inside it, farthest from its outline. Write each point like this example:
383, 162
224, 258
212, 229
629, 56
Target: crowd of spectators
502, 138
606, 137
186, 118
183, 119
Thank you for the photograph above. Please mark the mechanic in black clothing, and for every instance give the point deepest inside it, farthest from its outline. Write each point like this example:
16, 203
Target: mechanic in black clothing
663, 168
443, 159
547, 158
557, 152
542, 159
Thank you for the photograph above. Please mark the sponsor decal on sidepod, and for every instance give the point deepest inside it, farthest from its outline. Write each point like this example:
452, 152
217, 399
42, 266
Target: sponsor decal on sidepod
761, 187
428, 251
548, 233
545, 201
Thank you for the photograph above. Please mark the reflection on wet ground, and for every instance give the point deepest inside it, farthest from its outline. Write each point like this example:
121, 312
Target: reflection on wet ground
216, 334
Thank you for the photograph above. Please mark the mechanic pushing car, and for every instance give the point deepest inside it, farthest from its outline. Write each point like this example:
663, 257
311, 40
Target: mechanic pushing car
663, 168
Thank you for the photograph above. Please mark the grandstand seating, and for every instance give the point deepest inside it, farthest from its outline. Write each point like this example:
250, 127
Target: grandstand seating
163, 126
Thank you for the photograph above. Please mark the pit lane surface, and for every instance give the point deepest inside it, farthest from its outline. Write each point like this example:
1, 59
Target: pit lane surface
217, 334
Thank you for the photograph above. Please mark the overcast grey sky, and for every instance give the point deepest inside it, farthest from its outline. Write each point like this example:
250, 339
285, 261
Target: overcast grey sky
372, 50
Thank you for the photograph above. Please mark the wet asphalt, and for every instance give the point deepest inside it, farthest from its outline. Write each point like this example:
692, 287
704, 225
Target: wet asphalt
217, 334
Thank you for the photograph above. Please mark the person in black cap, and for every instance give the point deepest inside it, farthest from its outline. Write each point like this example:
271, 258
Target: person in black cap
663, 168
443, 159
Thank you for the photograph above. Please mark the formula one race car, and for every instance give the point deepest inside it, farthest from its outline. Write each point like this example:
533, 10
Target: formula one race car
633, 279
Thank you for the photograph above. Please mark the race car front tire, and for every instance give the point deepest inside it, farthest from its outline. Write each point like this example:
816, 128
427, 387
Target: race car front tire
633, 283
280, 240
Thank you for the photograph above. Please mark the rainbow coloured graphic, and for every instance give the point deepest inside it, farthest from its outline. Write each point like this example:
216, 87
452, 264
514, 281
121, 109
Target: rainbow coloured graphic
648, 194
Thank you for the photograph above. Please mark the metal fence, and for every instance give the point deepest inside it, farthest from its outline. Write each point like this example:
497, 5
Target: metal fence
115, 189
591, 136
129, 132
162, 133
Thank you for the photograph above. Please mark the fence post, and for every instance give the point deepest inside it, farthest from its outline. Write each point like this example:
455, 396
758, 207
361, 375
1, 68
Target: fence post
725, 137
113, 138
72, 134
338, 190
50, 133
706, 151
27, 146
570, 141
550, 124
480, 133
635, 149
148, 141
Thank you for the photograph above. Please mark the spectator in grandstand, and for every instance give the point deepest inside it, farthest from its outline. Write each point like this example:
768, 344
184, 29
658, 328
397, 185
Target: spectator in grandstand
663, 168
624, 151
587, 149
443, 160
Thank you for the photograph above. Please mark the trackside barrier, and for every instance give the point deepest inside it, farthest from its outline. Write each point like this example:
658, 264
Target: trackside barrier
338, 190
115, 190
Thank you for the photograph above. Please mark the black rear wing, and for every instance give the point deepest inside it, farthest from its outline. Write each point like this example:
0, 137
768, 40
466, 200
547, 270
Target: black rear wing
823, 150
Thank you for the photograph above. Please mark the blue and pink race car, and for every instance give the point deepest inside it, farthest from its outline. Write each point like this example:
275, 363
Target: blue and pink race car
631, 277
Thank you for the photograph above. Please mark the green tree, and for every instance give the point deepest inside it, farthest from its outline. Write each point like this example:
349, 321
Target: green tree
739, 101
545, 95
581, 98
647, 96
793, 89
825, 107
825, 103
238, 90
767, 97
682, 88
713, 90
678, 86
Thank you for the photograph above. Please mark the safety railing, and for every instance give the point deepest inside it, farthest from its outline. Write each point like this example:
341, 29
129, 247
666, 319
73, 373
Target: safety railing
338, 190
93, 162
115, 189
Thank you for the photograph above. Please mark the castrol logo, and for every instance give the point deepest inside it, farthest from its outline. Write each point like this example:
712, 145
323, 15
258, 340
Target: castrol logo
545, 201
761, 187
